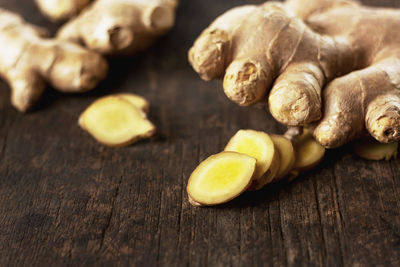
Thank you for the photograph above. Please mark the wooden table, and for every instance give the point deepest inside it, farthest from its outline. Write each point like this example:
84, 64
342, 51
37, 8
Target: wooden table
66, 200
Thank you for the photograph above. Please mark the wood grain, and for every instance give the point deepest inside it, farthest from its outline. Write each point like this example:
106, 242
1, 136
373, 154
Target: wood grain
65, 200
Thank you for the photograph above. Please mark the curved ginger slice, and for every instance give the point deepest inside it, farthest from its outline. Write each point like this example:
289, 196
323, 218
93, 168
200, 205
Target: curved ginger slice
373, 150
287, 155
114, 121
308, 152
220, 178
261, 147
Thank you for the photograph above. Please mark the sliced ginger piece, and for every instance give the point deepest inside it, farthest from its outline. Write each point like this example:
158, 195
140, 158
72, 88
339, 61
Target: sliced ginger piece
373, 150
287, 155
114, 121
136, 100
220, 178
261, 147
308, 152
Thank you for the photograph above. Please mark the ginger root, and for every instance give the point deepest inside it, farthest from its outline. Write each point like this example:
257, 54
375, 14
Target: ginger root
296, 50
260, 146
61, 9
120, 26
28, 60
115, 121
220, 178
372, 150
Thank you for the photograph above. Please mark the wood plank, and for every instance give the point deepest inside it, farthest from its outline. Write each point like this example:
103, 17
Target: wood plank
66, 200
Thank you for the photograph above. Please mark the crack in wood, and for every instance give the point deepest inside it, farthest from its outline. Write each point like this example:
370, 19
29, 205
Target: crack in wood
108, 222
321, 230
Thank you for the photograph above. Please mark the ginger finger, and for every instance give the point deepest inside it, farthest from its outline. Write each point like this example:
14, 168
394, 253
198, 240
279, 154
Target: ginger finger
296, 87
209, 54
383, 117
364, 100
261, 147
220, 178
115, 27
114, 121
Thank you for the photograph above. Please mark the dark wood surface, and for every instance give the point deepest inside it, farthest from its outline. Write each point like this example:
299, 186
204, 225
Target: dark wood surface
66, 200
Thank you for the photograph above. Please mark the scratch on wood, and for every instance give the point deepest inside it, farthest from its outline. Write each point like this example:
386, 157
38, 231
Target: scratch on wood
289, 253
320, 220
340, 218
3, 147
60, 199
104, 230
158, 217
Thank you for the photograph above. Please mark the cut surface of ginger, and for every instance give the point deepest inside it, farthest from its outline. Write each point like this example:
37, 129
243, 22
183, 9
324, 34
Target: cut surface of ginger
308, 152
286, 153
373, 150
136, 100
220, 178
260, 146
114, 121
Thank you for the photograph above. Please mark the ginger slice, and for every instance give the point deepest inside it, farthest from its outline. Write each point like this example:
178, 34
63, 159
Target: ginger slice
308, 152
136, 100
220, 178
373, 150
287, 155
261, 147
114, 121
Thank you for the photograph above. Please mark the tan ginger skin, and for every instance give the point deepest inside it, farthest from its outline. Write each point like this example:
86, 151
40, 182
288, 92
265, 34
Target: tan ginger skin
299, 47
28, 60
120, 26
